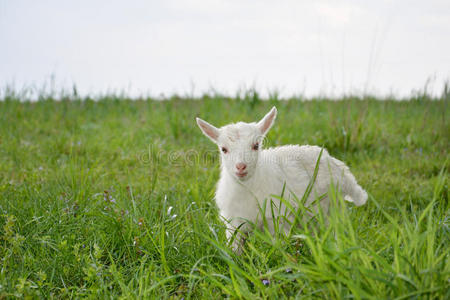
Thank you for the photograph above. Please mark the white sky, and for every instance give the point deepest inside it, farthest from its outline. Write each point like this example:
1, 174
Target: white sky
191, 46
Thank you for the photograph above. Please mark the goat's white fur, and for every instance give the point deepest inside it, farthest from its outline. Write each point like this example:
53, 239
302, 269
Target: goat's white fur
240, 199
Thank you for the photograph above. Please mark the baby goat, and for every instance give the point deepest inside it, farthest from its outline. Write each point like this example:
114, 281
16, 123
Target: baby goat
250, 176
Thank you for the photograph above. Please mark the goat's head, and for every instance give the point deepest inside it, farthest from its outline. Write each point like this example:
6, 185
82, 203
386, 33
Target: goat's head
239, 143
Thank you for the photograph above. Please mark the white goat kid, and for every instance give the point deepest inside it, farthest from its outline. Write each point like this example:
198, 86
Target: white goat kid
250, 176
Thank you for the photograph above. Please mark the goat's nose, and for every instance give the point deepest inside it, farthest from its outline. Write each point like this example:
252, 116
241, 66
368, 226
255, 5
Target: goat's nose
241, 167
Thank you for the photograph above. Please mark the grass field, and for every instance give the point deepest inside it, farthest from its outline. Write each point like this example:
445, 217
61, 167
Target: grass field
115, 198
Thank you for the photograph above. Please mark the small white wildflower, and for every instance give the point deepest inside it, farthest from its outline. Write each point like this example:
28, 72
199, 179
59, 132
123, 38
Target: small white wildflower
300, 236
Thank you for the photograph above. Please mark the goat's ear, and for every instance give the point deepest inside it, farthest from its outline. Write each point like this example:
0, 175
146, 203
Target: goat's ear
208, 130
267, 122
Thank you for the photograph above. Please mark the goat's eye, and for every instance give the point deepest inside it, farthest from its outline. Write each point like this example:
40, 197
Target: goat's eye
255, 146
224, 150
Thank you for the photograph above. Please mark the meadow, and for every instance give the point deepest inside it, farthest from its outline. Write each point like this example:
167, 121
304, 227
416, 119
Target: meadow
113, 198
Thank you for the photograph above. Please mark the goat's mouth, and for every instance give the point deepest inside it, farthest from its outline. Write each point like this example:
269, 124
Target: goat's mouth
241, 174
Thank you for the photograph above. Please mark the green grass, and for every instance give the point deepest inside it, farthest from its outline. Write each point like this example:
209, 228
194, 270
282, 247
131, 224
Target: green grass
86, 189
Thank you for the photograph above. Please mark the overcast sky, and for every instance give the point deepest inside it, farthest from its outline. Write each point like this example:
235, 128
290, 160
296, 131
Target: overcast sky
191, 46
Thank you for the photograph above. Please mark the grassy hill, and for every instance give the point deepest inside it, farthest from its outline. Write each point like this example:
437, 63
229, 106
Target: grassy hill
115, 198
